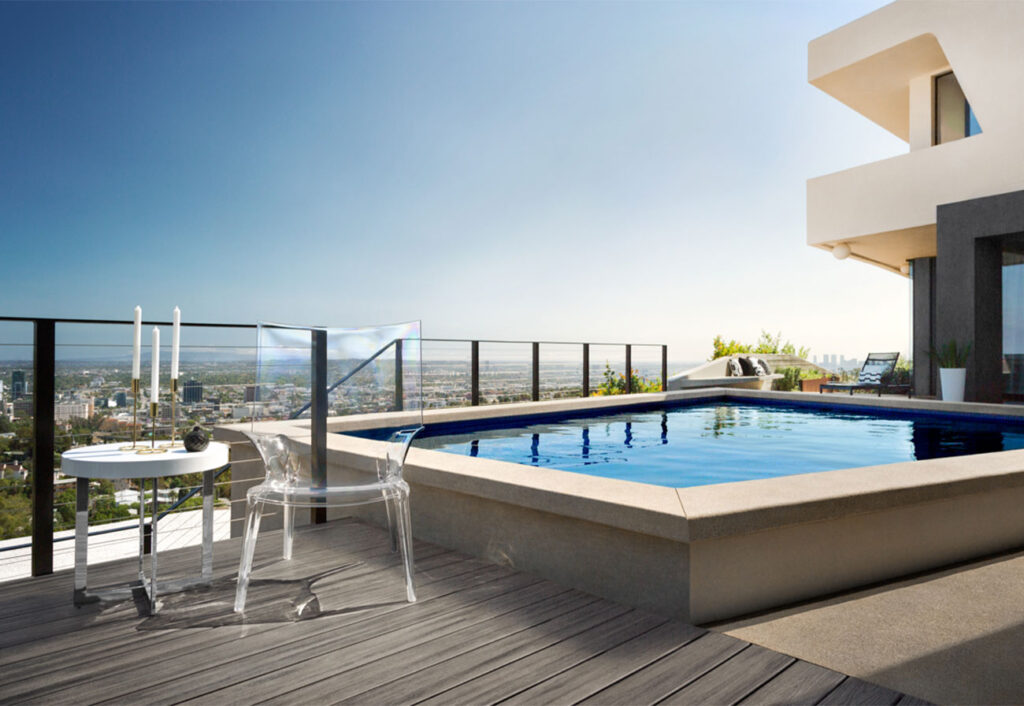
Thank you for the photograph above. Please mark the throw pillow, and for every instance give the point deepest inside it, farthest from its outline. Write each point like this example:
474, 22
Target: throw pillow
747, 367
759, 366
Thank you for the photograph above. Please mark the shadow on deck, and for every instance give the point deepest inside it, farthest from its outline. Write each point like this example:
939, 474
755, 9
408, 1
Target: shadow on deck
332, 626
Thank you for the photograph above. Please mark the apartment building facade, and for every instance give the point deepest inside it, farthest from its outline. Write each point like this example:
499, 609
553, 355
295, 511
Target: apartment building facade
944, 76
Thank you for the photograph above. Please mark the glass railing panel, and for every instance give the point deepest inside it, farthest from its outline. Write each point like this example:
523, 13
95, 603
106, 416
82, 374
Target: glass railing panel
93, 404
447, 373
506, 372
646, 362
16, 438
561, 370
607, 369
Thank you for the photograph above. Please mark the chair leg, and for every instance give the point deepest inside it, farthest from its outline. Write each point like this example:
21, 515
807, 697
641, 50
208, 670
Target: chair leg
289, 531
404, 522
391, 508
252, 528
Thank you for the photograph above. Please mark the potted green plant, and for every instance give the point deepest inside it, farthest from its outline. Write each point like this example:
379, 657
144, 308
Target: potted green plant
952, 361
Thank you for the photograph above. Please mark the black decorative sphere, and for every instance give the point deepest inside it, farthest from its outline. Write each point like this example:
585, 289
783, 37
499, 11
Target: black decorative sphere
196, 440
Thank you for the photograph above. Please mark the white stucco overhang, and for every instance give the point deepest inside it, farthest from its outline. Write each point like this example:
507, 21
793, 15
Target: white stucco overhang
882, 65
876, 86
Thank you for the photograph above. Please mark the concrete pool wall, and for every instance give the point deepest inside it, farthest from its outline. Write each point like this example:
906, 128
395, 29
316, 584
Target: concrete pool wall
703, 553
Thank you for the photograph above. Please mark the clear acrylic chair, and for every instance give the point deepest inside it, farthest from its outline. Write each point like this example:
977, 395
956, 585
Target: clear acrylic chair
287, 484
364, 370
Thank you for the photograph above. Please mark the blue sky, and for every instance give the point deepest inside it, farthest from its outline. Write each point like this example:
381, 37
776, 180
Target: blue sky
571, 171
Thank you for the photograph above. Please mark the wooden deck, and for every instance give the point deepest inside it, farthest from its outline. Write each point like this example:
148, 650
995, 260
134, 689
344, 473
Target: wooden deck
313, 633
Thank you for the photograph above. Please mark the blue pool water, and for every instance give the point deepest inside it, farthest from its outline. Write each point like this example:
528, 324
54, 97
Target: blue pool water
720, 442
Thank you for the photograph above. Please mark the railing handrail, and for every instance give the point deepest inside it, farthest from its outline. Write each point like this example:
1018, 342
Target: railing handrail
57, 320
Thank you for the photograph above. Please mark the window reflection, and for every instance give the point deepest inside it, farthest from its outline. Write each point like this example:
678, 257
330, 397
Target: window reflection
954, 118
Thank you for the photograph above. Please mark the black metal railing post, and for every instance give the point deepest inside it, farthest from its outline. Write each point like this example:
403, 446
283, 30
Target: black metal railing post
318, 417
664, 368
399, 390
629, 369
474, 373
586, 370
535, 387
43, 374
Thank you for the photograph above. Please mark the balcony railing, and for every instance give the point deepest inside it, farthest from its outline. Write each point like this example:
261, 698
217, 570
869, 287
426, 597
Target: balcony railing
457, 372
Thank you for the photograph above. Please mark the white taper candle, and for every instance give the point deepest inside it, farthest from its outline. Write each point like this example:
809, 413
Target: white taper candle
175, 342
137, 344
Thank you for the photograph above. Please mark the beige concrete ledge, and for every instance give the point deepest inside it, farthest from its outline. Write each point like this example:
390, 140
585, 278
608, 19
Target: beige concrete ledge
706, 552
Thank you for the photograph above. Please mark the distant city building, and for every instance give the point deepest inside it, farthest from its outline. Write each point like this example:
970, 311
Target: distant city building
18, 387
66, 411
250, 393
121, 399
1, 391
244, 411
192, 392
21, 409
13, 471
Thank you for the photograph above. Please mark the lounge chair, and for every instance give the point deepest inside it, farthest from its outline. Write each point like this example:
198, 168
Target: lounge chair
874, 375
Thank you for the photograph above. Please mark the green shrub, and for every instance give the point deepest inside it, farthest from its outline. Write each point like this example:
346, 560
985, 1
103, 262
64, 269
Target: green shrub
615, 384
790, 379
766, 344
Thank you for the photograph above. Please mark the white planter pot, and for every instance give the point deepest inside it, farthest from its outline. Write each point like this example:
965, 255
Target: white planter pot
951, 381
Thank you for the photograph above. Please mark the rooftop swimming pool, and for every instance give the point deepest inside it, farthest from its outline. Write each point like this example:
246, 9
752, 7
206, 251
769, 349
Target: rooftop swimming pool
684, 445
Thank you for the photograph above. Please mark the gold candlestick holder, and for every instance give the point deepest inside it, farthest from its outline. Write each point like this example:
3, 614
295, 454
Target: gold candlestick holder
135, 417
174, 443
154, 409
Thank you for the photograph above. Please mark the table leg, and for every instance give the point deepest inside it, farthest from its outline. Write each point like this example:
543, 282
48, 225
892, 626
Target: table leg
207, 525
153, 556
142, 531
81, 538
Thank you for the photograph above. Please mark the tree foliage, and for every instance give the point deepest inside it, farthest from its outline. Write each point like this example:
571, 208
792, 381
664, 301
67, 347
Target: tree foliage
766, 344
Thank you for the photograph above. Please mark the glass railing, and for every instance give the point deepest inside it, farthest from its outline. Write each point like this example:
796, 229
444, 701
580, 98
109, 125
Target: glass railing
89, 364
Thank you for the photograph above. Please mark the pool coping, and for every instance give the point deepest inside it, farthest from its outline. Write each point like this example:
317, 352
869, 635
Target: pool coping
681, 514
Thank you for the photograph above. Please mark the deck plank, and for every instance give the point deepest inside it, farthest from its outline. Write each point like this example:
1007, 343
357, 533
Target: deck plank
660, 679
438, 677
521, 674
252, 649
609, 667
480, 633
801, 683
733, 679
856, 692
258, 654
385, 657
67, 658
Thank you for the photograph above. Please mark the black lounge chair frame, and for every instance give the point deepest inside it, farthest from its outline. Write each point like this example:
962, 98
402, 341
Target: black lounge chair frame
877, 367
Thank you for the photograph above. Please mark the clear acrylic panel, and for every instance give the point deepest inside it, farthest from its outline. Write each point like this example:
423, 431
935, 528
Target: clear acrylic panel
370, 370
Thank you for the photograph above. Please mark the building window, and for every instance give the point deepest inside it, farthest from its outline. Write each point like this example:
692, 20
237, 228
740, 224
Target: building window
1013, 318
953, 115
